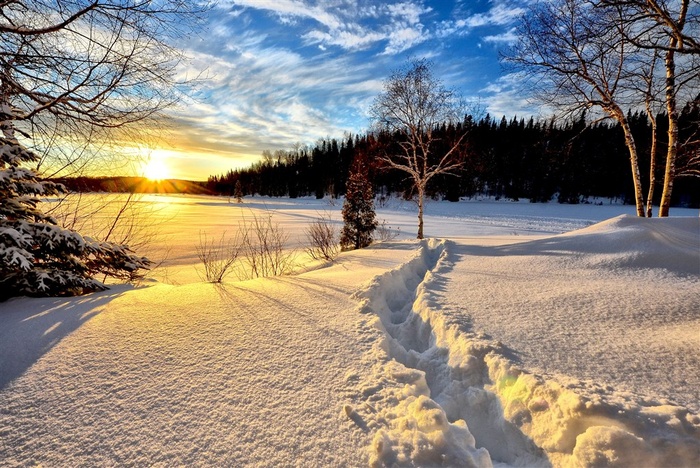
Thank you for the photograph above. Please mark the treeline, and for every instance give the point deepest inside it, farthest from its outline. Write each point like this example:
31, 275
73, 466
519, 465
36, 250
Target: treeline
120, 184
513, 159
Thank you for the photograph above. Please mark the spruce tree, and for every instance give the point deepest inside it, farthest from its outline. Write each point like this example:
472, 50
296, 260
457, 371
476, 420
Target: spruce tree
238, 192
37, 256
358, 209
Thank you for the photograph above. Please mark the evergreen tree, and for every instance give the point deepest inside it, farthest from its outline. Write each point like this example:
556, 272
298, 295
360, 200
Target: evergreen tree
38, 257
238, 192
358, 209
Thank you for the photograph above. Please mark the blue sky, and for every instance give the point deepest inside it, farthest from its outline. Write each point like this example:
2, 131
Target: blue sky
277, 72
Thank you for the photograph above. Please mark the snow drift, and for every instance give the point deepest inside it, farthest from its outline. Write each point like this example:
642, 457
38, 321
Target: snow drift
443, 394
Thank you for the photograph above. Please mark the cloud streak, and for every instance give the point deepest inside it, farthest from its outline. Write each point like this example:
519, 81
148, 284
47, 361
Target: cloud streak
351, 25
277, 72
501, 13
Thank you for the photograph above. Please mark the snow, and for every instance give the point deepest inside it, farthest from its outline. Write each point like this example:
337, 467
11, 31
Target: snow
519, 335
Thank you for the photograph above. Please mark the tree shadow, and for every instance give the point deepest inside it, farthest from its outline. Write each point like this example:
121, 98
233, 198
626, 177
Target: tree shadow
31, 327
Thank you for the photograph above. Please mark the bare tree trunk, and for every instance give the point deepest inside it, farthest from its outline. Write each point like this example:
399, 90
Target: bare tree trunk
634, 161
670, 171
648, 105
421, 202
652, 165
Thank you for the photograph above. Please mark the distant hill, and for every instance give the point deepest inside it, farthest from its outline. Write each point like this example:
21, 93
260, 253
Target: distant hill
132, 185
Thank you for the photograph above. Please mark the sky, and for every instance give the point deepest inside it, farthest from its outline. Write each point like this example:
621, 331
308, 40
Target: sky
273, 73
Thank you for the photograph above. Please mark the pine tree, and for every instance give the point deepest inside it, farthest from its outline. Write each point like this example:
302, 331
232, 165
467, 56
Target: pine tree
38, 257
358, 209
238, 192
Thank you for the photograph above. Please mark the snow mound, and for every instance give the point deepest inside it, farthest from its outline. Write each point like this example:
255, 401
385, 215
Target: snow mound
628, 242
442, 394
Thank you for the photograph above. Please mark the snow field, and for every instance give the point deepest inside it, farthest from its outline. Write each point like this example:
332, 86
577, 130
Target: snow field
241, 374
497, 347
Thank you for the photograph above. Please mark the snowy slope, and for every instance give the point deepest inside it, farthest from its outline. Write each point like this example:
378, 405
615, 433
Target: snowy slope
242, 374
494, 347
618, 302
459, 373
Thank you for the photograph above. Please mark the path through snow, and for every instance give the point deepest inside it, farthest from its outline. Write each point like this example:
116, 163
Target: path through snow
434, 372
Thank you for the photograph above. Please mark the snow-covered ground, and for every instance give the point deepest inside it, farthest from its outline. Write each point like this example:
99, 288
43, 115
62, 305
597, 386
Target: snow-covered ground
519, 334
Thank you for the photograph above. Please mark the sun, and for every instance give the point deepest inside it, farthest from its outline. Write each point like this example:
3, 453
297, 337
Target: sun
156, 169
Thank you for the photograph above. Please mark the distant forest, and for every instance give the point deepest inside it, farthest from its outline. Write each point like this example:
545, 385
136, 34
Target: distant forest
512, 159
119, 184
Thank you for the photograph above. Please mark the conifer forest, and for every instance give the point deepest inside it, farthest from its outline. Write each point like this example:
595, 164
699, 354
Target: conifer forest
539, 160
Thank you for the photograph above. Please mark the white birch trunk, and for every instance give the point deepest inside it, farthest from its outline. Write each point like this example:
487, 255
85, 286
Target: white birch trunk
670, 172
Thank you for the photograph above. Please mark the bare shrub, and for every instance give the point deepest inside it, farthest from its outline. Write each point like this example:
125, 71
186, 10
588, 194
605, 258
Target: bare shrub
257, 250
123, 219
119, 218
263, 249
385, 233
217, 256
322, 237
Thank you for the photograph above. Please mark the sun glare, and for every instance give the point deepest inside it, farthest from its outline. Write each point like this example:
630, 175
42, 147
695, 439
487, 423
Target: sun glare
156, 169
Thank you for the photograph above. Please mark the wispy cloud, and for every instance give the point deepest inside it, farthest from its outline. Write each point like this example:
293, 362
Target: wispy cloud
262, 96
344, 24
293, 8
259, 97
284, 71
508, 37
350, 38
499, 14
504, 96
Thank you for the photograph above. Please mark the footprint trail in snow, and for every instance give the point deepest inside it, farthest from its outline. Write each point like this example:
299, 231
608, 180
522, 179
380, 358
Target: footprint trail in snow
441, 394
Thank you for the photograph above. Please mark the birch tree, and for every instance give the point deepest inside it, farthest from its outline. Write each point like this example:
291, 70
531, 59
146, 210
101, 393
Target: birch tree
672, 28
577, 59
412, 106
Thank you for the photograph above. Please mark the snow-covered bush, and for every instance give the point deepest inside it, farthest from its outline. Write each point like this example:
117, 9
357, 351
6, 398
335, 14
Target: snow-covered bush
37, 256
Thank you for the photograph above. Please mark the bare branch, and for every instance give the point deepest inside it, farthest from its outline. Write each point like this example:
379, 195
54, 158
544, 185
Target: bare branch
413, 105
78, 65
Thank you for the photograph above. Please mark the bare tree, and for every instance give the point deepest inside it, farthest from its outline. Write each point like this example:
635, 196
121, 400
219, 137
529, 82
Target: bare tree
671, 27
649, 86
412, 106
651, 115
576, 58
604, 53
74, 74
